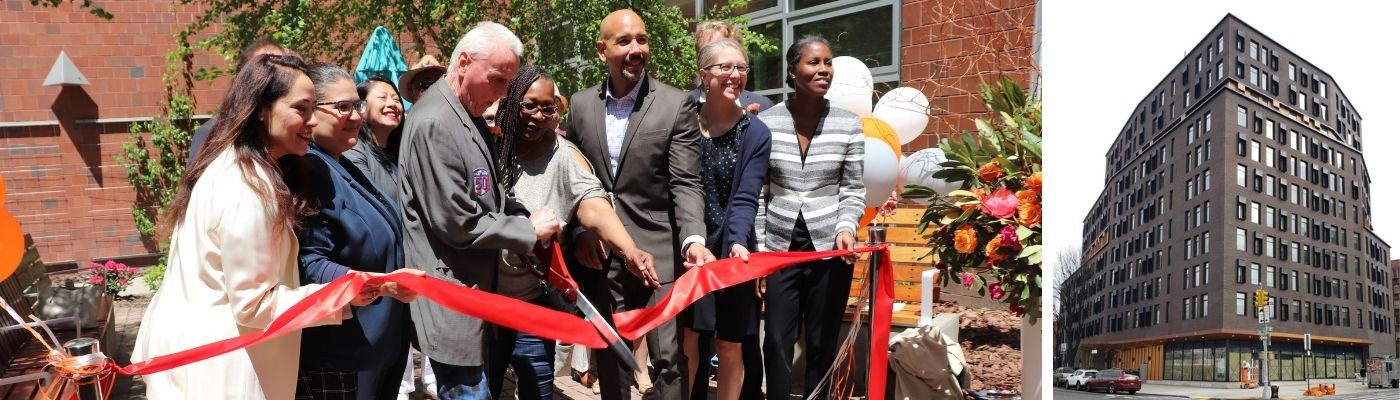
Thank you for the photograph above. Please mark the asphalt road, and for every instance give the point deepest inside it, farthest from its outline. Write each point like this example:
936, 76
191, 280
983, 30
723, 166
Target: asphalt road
1066, 394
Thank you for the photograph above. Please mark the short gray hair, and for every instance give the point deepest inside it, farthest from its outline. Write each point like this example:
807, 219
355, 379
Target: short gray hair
326, 74
485, 37
712, 50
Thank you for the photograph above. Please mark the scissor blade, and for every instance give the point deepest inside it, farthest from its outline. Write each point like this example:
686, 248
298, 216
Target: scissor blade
615, 341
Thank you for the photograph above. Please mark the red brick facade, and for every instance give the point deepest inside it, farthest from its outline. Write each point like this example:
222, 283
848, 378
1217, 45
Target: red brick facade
58, 145
950, 47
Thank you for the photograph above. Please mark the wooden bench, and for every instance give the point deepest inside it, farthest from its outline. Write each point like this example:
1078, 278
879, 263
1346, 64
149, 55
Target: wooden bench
907, 251
24, 357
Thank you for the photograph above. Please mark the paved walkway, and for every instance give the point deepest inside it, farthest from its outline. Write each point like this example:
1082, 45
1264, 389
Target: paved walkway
1287, 390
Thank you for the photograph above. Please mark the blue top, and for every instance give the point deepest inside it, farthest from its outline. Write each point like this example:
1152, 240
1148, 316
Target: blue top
356, 227
750, 175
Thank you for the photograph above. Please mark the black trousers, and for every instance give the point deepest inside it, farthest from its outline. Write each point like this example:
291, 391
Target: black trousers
618, 290
811, 297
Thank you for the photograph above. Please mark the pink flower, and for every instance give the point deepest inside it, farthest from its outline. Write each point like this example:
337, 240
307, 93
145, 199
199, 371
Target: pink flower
1009, 239
967, 279
996, 291
1001, 203
123, 281
95, 278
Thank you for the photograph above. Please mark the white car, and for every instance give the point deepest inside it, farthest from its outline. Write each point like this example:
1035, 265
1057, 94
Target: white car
1080, 378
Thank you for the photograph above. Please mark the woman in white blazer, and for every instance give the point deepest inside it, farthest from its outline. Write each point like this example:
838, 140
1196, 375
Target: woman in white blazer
233, 258
815, 198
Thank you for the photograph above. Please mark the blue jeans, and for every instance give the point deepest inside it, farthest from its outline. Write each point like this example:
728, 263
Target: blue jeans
457, 382
530, 356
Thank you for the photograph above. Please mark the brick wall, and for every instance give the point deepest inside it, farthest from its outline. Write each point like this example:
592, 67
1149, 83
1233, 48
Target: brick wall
950, 47
58, 145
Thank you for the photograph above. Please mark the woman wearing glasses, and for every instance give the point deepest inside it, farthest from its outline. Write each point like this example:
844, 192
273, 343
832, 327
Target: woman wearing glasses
733, 167
543, 171
355, 227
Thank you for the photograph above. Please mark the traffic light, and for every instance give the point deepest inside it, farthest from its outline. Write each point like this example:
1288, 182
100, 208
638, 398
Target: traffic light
1261, 298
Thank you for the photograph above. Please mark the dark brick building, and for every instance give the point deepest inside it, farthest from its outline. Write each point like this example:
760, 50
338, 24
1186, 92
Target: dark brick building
1241, 170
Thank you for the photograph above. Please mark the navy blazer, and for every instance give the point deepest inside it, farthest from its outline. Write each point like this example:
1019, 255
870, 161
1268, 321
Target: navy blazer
751, 174
356, 227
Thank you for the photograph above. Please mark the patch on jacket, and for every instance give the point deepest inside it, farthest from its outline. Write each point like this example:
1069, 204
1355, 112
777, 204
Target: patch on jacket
481, 181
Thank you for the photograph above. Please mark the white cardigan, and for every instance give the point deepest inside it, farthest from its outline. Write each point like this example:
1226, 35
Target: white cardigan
229, 273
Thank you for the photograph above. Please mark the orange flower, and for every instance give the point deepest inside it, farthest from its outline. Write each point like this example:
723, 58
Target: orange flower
993, 245
1028, 211
965, 239
990, 172
1033, 182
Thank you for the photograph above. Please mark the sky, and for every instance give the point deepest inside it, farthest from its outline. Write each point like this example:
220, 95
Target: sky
1100, 58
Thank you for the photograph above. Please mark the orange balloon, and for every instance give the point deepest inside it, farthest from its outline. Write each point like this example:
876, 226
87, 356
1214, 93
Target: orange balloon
11, 239
870, 213
878, 129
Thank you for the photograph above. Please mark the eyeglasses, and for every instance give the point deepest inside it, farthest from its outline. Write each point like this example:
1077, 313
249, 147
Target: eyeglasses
532, 109
345, 107
728, 68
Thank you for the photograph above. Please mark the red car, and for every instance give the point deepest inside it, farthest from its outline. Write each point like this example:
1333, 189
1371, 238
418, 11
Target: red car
1115, 380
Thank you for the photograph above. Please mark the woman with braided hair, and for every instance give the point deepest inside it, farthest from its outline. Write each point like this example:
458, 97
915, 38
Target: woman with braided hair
543, 171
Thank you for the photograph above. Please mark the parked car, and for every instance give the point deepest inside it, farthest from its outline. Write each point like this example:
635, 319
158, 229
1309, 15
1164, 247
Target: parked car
1061, 374
1079, 378
1114, 381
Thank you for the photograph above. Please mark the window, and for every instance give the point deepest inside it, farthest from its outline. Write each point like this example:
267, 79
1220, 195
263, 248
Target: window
1240, 175
1241, 116
877, 40
1239, 303
1254, 273
1239, 239
1254, 50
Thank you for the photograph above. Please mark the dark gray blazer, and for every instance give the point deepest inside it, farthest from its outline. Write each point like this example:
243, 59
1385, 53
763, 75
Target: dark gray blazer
657, 187
457, 218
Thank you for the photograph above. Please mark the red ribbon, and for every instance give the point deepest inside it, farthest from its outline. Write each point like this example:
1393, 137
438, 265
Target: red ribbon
721, 274
332, 298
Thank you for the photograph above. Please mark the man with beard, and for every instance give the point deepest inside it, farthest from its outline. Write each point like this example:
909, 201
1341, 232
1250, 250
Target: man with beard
642, 138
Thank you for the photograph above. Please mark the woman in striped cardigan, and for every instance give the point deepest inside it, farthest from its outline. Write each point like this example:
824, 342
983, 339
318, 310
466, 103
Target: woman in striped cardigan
814, 201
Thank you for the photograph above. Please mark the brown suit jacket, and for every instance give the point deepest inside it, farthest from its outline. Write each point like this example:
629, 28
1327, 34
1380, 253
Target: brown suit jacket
657, 185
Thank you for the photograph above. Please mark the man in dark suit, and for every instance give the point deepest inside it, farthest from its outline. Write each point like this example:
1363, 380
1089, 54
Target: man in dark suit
642, 138
457, 217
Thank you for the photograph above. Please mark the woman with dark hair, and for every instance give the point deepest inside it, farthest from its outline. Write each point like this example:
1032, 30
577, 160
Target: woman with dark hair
355, 228
377, 153
815, 198
734, 149
233, 257
544, 171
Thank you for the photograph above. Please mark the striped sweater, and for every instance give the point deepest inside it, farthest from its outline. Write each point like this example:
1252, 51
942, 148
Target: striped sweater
826, 188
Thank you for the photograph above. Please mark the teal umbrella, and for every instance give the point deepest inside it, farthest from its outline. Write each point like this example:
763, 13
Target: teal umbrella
381, 57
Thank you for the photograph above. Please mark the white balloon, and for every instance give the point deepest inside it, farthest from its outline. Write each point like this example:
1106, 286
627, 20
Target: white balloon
852, 87
918, 169
906, 110
881, 172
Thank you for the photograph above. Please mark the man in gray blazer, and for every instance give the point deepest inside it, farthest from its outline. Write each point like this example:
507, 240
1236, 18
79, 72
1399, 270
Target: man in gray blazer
457, 217
643, 140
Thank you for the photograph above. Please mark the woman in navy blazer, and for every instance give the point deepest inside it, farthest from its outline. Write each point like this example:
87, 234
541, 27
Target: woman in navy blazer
355, 227
734, 151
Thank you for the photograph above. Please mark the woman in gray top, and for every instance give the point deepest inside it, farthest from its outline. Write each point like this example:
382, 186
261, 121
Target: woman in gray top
814, 201
543, 171
376, 154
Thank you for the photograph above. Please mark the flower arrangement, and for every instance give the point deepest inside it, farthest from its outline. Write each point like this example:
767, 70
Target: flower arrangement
987, 234
112, 276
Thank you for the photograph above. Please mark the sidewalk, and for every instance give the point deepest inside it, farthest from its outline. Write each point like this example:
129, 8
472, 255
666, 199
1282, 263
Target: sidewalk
1287, 390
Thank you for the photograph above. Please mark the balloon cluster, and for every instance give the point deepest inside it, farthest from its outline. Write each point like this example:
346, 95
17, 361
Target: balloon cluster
895, 120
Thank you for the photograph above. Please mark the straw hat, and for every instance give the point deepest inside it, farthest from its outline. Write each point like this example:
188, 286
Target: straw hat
427, 63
